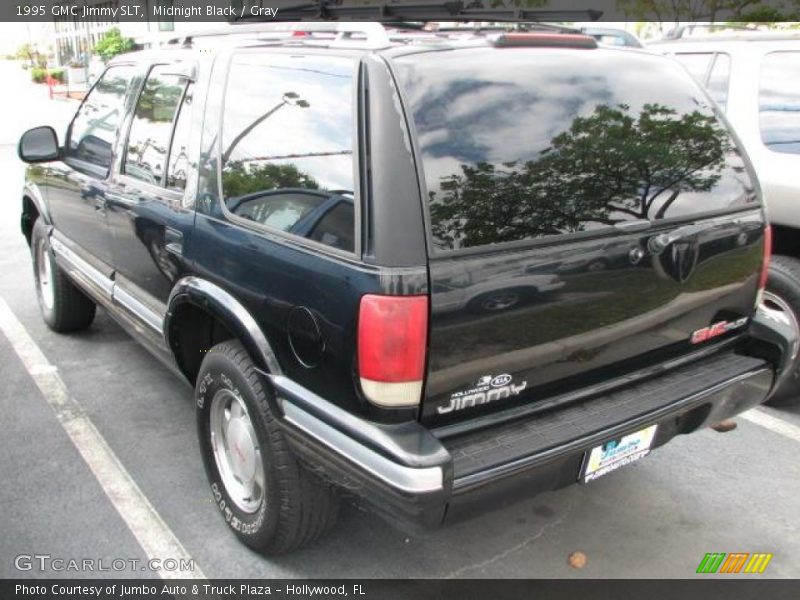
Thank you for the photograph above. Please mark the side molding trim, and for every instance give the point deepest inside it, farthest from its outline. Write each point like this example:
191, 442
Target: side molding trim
83, 269
145, 314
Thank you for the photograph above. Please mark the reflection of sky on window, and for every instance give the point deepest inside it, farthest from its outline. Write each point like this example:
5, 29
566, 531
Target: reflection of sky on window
521, 101
101, 111
257, 84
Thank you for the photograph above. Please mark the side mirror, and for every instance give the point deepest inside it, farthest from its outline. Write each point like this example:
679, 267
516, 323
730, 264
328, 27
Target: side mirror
39, 144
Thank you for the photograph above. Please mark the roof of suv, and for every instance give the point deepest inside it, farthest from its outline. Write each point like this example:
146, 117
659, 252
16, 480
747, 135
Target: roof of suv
392, 43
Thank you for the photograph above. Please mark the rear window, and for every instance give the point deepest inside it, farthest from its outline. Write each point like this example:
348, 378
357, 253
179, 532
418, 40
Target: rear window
519, 144
779, 102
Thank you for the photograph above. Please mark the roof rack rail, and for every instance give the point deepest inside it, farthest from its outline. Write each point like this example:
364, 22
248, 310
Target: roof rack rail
341, 34
400, 10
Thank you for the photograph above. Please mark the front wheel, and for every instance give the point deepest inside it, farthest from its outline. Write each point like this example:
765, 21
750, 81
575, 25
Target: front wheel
269, 501
783, 294
63, 306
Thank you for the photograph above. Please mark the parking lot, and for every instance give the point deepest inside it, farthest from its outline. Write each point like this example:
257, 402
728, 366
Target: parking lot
709, 492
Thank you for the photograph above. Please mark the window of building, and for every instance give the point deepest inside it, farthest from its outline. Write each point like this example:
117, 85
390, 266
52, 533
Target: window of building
92, 133
779, 102
287, 145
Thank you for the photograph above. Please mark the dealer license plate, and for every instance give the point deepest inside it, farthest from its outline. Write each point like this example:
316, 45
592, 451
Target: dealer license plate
614, 454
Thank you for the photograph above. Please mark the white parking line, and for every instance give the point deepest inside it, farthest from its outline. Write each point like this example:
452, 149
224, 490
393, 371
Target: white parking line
774, 424
153, 534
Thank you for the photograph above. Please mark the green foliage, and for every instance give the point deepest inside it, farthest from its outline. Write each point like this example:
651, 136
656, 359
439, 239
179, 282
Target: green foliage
789, 10
113, 44
26, 53
710, 10
238, 179
39, 75
606, 165
158, 101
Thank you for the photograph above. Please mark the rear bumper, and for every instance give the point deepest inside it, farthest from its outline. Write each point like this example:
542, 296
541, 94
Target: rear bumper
414, 478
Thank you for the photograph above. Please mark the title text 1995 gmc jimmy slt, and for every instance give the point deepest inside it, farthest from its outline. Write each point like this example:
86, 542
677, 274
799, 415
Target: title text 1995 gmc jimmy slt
415, 269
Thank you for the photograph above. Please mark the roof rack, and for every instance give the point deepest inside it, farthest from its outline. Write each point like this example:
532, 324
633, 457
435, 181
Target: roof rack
333, 34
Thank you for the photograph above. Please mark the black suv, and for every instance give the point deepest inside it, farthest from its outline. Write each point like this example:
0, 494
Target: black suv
413, 269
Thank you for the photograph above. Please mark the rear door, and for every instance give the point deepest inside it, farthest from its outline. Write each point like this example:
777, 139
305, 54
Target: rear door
587, 213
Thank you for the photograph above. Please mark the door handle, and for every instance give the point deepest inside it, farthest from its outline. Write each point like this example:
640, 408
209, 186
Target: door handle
658, 243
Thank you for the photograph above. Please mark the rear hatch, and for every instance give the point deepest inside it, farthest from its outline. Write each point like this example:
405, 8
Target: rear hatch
588, 214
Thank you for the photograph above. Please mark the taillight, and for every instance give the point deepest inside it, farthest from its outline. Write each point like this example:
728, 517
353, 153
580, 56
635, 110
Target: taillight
762, 282
392, 340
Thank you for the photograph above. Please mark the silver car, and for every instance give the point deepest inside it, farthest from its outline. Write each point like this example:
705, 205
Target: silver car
755, 80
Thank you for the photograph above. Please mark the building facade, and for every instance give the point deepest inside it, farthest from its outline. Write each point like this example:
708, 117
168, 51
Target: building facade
74, 37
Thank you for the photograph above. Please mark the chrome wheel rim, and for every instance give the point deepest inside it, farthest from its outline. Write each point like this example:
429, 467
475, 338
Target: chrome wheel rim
236, 451
44, 276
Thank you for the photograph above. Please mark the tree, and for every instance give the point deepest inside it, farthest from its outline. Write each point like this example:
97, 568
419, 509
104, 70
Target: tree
703, 10
112, 44
239, 179
608, 167
27, 52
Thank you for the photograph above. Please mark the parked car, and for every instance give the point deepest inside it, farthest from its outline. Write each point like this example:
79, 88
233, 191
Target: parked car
612, 36
283, 222
755, 80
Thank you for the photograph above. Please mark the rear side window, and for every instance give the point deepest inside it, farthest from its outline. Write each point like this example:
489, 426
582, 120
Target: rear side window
718, 80
287, 146
523, 144
697, 63
779, 102
178, 163
93, 130
712, 70
153, 123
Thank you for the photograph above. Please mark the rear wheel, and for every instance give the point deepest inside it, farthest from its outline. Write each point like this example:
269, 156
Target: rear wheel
269, 500
783, 294
64, 307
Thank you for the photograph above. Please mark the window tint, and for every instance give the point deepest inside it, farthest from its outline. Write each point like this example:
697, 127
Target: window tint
148, 142
779, 102
179, 149
697, 64
718, 80
281, 209
92, 133
287, 127
336, 227
582, 141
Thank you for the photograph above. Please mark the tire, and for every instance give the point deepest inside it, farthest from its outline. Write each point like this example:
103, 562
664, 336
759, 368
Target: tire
238, 434
783, 293
64, 307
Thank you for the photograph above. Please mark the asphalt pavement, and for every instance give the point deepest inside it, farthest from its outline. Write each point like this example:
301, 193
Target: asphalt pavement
708, 492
